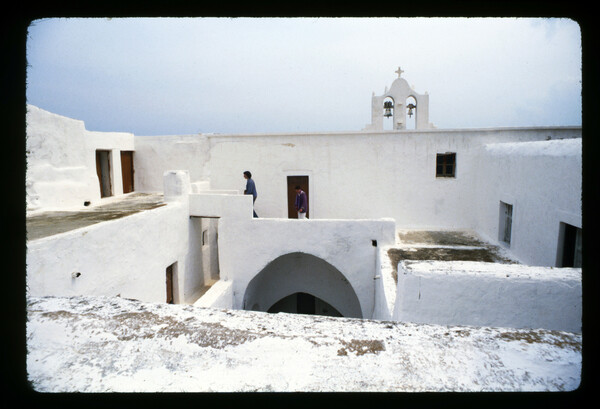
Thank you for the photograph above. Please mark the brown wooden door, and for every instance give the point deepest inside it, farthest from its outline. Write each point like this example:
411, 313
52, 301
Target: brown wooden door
170, 299
292, 182
127, 170
103, 171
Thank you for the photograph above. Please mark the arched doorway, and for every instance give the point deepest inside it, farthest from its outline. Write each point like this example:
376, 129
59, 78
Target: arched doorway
298, 279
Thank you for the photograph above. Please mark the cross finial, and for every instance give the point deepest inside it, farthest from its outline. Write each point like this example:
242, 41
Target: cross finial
399, 71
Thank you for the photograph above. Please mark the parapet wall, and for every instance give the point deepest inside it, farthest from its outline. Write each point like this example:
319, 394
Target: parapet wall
489, 294
246, 247
125, 257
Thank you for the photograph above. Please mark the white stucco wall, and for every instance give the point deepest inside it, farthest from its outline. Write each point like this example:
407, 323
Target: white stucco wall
155, 155
385, 287
61, 160
220, 295
220, 205
542, 180
246, 247
352, 175
126, 257
489, 294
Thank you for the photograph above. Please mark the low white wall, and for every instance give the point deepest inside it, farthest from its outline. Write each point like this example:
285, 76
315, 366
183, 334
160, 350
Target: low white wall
542, 180
246, 247
385, 287
489, 294
220, 295
61, 160
220, 205
126, 257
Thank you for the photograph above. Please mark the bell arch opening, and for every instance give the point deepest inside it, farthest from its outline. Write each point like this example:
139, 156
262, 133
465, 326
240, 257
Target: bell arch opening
411, 112
295, 281
389, 111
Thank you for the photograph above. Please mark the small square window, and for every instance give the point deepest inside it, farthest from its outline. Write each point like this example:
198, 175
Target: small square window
445, 165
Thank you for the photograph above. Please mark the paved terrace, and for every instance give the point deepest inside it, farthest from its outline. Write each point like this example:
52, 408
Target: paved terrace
445, 246
49, 223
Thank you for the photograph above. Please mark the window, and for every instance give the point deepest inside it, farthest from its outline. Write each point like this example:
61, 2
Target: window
445, 166
505, 227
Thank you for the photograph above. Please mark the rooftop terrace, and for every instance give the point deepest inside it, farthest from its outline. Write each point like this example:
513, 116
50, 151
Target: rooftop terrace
49, 223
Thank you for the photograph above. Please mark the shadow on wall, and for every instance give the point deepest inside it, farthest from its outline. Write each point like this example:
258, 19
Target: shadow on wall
302, 283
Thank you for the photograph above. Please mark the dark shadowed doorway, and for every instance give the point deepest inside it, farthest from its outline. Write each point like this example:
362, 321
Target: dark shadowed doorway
292, 182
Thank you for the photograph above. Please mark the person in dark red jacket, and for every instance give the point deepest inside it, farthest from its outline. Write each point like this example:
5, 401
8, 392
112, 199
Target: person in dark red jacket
301, 203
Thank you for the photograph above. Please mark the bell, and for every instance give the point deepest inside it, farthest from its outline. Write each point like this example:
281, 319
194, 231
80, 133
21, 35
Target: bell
410, 109
388, 109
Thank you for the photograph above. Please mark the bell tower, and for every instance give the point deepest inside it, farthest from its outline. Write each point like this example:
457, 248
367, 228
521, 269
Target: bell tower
400, 101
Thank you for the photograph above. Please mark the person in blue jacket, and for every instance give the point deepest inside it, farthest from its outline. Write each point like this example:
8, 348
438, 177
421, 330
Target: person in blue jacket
250, 189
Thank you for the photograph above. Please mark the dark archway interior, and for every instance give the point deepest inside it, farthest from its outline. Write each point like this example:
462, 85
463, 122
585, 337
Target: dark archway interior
304, 303
301, 283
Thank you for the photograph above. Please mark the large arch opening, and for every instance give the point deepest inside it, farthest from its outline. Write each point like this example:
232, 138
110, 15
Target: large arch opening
302, 283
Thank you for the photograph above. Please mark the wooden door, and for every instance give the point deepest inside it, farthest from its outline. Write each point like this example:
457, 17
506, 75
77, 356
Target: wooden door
292, 182
127, 170
170, 299
103, 171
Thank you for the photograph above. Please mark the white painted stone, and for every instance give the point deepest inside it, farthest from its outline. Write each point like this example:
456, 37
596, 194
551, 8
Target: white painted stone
385, 287
157, 154
220, 295
212, 204
401, 94
126, 257
247, 247
176, 185
151, 347
394, 170
61, 161
542, 180
489, 294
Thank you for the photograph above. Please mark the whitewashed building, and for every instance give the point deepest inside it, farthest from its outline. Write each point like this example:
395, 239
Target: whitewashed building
519, 188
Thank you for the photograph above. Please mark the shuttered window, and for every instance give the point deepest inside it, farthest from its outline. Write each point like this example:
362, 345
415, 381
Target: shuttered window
445, 166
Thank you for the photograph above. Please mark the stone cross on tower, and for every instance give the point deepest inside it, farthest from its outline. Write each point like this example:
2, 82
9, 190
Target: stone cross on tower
399, 71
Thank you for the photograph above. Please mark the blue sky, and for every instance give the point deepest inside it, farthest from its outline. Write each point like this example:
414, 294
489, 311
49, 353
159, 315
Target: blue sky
166, 76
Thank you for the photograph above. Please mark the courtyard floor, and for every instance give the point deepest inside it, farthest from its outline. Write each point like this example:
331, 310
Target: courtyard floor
450, 245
